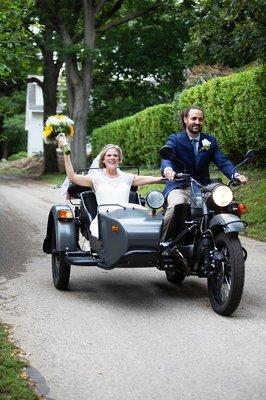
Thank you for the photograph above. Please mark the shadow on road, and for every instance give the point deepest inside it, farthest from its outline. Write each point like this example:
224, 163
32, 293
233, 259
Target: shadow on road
145, 294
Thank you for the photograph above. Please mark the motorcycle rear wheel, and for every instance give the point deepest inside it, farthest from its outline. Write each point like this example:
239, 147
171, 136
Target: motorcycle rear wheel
60, 268
175, 277
226, 284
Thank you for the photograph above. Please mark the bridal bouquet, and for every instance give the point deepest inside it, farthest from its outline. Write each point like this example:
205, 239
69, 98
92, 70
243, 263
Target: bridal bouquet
56, 126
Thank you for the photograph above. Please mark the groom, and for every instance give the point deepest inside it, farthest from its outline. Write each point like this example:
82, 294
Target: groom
196, 150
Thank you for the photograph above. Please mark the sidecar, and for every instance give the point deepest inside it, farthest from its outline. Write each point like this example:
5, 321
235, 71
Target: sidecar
129, 237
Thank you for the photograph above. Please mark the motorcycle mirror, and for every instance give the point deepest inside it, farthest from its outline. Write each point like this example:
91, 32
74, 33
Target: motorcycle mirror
155, 199
167, 153
248, 158
250, 155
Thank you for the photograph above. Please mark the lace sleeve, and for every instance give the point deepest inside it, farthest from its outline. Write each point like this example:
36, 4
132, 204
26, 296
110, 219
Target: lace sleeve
128, 177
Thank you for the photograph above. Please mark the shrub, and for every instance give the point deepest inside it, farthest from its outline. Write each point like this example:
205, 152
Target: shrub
140, 135
17, 156
15, 134
234, 111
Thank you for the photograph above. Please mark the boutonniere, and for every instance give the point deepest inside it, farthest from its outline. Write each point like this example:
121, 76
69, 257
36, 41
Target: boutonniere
205, 145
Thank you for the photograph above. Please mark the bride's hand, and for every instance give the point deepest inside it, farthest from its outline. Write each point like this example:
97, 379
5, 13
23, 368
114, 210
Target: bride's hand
62, 142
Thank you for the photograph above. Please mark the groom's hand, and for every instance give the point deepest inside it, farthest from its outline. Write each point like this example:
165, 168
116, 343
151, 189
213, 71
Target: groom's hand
242, 179
169, 174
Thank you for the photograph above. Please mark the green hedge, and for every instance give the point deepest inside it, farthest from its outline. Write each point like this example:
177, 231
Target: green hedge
234, 111
140, 136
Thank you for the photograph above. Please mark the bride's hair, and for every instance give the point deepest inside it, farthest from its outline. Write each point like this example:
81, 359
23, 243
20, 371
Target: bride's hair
105, 149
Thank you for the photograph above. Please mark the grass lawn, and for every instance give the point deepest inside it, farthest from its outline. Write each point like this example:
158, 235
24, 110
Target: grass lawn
254, 196
13, 376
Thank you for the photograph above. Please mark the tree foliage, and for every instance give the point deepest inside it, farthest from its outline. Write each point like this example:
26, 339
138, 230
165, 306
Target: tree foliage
13, 109
121, 56
18, 55
15, 38
230, 32
139, 64
78, 25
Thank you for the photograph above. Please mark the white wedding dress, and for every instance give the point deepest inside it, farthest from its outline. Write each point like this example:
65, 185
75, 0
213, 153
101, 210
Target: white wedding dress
110, 193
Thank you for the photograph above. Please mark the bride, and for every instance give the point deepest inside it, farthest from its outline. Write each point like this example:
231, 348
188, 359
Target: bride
110, 184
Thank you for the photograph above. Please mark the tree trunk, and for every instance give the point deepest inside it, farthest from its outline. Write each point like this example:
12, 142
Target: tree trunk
79, 113
3, 150
79, 81
51, 71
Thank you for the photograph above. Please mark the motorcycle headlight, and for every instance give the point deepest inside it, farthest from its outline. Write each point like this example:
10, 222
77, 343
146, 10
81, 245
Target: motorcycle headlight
222, 196
155, 199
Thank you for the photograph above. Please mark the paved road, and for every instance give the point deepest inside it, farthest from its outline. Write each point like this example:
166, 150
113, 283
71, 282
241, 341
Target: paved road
123, 334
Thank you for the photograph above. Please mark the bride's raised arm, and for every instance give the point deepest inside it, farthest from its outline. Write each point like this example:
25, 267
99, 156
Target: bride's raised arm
141, 180
82, 180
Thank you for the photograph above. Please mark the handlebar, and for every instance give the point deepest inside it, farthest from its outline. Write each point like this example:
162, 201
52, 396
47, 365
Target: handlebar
234, 182
182, 176
178, 177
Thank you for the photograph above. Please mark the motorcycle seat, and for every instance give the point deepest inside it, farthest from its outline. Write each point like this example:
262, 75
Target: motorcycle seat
134, 197
75, 190
89, 202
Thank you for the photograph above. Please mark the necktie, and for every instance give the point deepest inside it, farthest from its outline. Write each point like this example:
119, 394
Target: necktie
195, 146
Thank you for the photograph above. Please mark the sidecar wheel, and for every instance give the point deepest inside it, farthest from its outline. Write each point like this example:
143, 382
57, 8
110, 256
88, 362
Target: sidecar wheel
175, 277
226, 284
60, 269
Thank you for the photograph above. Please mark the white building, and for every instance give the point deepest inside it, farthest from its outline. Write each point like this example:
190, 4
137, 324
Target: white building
34, 117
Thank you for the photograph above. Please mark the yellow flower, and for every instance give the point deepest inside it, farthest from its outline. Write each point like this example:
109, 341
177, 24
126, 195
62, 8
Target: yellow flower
47, 131
71, 131
57, 125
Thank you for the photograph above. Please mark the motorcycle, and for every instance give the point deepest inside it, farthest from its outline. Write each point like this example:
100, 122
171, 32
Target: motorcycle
203, 240
205, 234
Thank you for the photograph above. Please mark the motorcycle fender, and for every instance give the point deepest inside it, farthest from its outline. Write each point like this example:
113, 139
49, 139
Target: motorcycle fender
65, 232
229, 223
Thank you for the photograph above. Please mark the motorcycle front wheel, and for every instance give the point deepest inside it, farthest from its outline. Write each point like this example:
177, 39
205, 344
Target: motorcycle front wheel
226, 284
60, 268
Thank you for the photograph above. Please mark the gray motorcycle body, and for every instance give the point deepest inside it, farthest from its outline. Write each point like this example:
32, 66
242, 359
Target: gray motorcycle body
129, 237
65, 232
227, 222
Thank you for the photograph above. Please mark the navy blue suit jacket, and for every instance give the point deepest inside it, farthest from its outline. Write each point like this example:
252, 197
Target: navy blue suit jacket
198, 168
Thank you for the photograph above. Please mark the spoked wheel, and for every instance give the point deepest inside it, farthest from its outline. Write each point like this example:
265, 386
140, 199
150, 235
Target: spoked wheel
60, 269
226, 284
175, 276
